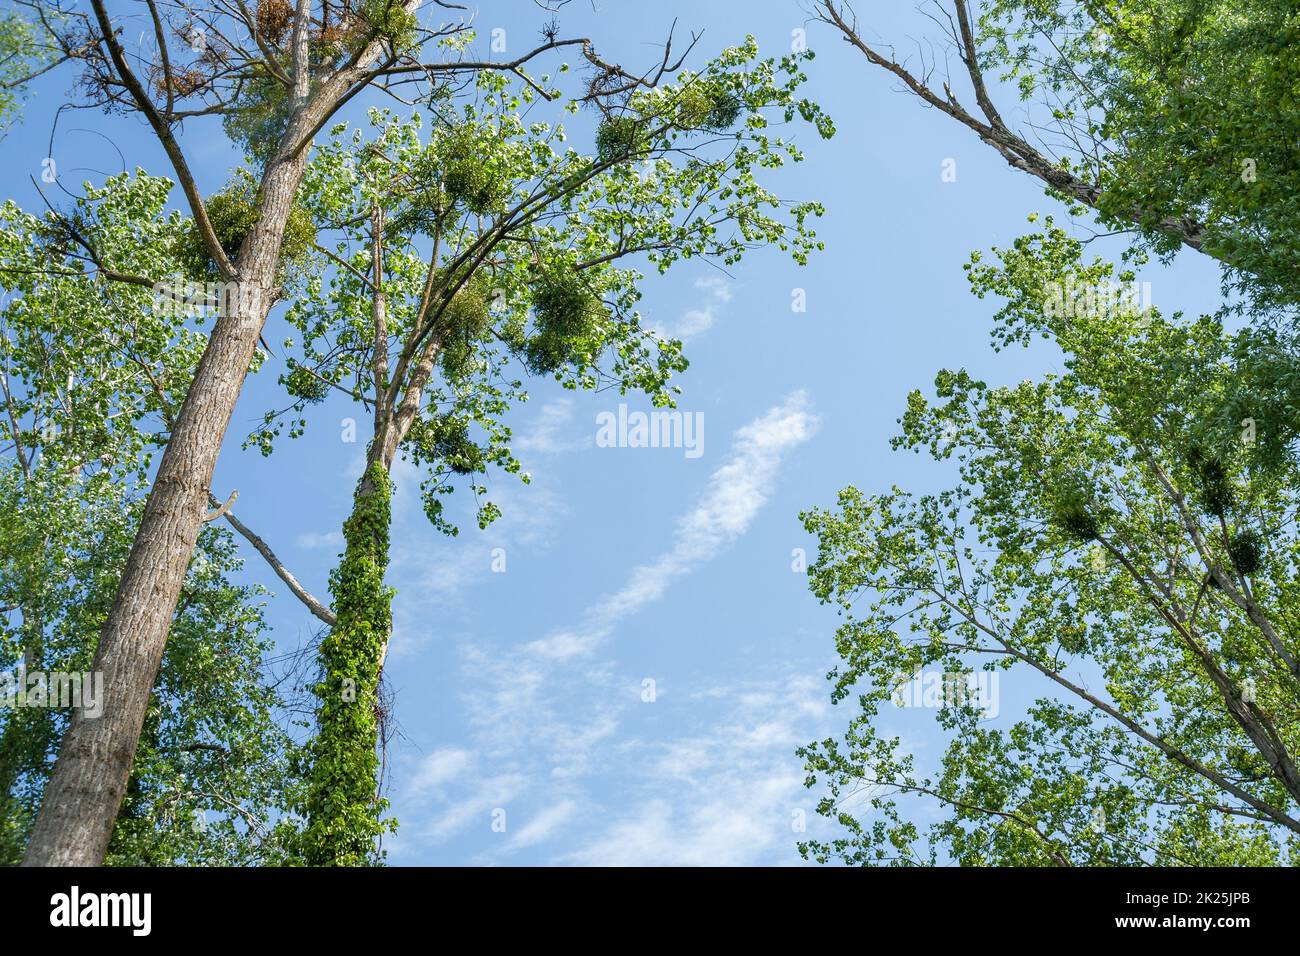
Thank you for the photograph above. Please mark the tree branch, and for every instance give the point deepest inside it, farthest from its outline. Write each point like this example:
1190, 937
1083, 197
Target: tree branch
300, 592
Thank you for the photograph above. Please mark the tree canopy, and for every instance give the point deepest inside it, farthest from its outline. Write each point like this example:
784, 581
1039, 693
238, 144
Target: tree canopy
1121, 540
1172, 120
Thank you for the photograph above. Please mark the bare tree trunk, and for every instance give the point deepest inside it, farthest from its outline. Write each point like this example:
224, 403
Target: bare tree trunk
89, 780
94, 765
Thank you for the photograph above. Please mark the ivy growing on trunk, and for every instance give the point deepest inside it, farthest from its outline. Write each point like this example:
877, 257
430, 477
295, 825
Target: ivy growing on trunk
343, 809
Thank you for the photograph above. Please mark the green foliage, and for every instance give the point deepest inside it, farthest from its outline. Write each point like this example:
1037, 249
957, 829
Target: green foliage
569, 318
619, 136
1245, 552
211, 771
234, 212
471, 184
304, 385
25, 48
447, 439
1183, 111
708, 107
1093, 551
259, 117
1213, 487
467, 316
94, 370
344, 812
1072, 513
704, 103
62, 317
391, 20
549, 298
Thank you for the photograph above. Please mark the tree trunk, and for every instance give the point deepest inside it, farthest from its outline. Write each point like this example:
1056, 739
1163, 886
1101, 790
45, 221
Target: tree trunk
89, 780
343, 808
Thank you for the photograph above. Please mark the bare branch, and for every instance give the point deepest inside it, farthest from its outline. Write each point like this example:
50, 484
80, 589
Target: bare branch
262, 548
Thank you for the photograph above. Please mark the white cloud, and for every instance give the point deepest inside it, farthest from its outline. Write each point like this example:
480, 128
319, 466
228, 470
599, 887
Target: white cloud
545, 433
561, 646
736, 493
474, 809
312, 540
727, 795
695, 322
438, 769
725, 791
544, 825
563, 743
717, 287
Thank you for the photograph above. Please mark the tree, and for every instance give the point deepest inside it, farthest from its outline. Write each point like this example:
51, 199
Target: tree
1170, 119
275, 72
90, 372
481, 250
1123, 536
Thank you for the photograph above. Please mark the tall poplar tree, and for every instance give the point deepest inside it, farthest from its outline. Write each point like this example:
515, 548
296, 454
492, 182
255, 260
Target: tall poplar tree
90, 375
471, 256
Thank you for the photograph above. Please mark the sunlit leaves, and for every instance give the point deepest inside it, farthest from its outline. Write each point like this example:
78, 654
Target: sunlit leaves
536, 242
1096, 520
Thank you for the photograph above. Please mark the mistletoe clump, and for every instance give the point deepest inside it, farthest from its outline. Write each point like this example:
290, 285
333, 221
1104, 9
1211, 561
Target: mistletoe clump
568, 320
466, 315
619, 136
1213, 484
475, 171
233, 213
1245, 551
466, 320
1072, 515
707, 107
470, 184
1073, 636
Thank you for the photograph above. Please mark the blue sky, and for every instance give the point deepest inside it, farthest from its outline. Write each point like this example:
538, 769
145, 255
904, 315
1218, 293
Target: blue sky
526, 691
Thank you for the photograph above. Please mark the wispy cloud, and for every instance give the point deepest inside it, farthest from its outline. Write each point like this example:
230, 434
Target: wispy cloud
473, 806
696, 321
545, 434
736, 493
558, 738
313, 540
730, 794
544, 825
724, 789
436, 574
439, 769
